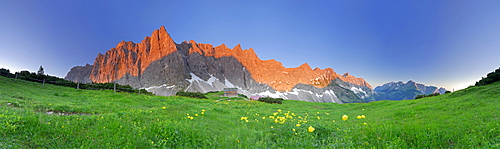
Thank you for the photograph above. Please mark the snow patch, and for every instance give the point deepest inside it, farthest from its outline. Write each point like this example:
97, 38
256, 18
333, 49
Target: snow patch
273, 95
330, 92
194, 78
161, 86
357, 90
211, 80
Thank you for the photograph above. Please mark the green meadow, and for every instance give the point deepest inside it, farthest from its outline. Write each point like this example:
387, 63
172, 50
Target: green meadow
36, 116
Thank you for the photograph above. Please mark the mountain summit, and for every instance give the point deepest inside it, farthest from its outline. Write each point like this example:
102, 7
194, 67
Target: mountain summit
163, 67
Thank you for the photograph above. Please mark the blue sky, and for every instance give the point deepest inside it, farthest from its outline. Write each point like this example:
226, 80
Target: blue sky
449, 44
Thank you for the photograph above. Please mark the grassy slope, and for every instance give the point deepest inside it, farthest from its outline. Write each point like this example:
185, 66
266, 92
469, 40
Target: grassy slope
103, 119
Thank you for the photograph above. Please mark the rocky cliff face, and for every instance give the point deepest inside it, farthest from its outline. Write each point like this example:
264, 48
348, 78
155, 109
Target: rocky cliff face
164, 67
408, 90
80, 74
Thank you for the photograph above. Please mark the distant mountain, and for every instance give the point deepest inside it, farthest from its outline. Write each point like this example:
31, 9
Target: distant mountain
401, 91
164, 67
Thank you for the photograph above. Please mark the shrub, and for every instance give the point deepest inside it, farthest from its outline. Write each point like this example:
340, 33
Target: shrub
242, 96
430, 95
271, 100
191, 94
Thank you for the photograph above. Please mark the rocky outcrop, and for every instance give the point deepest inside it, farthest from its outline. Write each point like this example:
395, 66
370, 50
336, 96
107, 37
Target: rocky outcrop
409, 90
164, 67
80, 74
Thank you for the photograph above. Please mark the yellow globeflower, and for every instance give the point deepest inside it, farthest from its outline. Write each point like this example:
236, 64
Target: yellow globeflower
363, 116
345, 117
310, 129
359, 117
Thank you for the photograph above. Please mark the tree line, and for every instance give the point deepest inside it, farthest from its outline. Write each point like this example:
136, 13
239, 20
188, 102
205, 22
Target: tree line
490, 78
40, 77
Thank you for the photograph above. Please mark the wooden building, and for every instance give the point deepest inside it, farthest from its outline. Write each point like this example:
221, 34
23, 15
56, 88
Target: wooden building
230, 92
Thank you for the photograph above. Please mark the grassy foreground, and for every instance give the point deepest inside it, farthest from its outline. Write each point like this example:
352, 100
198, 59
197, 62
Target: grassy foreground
468, 118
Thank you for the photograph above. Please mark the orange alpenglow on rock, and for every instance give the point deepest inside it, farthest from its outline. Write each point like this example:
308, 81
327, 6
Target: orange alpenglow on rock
272, 72
128, 57
133, 59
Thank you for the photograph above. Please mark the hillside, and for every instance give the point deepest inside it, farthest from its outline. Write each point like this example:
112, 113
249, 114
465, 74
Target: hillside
32, 116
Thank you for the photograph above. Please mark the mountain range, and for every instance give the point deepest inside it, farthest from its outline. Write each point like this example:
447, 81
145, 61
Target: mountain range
409, 90
164, 67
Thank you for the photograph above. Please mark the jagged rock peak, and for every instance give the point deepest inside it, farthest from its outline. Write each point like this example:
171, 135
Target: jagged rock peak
134, 58
131, 58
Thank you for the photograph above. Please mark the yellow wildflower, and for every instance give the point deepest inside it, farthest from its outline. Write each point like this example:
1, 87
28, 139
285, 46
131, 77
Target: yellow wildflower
202, 113
359, 117
62, 126
279, 110
243, 118
363, 116
272, 127
345, 117
365, 123
319, 118
164, 107
195, 114
298, 125
202, 110
263, 117
293, 129
310, 129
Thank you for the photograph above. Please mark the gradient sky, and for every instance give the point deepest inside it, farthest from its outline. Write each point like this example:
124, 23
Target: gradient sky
448, 44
